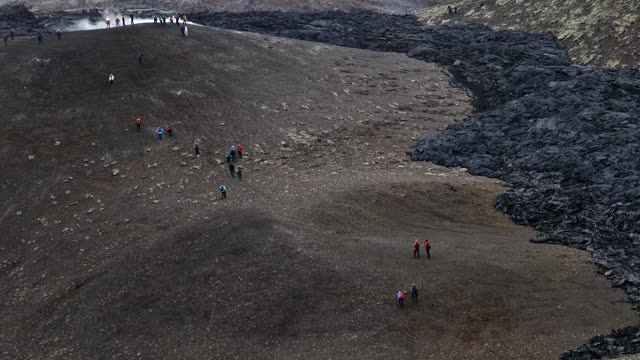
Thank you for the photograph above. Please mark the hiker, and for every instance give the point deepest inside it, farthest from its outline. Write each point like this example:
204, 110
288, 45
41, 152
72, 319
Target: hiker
182, 29
6, 39
427, 248
455, 10
171, 19
131, 18
184, 19
177, 20
169, 130
117, 21
111, 79
240, 172
228, 157
155, 19
232, 152
124, 20
416, 249
59, 34
11, 33
240, 151
186, 31
108, 23
414, 293
140, 56
160, 132
400, 298
138, 123
450, 10
232, 169
223, 191
39, 38
196, 149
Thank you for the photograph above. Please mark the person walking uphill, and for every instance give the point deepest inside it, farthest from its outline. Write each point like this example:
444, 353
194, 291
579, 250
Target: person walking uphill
39, 38
400, 298
427, 248
140, 56
416, 249
232, 152
59, 34
138, 123
223, 192
111, 79
232, 169
169, 130
240, 151
160, 132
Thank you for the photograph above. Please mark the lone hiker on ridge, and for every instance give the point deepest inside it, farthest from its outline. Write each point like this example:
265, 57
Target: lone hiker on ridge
131, 19
416, 249
59, 34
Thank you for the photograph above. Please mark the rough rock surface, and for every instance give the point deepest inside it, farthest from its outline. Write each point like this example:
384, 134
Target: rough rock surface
562, 135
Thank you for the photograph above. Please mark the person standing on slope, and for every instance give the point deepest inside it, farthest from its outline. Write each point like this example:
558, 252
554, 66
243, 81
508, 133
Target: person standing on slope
117, 21
131, 19
240, 151
232, 169
414, 293
59, 34
232, 152
111, 79
39, 36
11, 33
416, 249
169, 130
427, 248
240, 172
108, 21
223, 192
400, 298
140, 56
138, 123
160, 132
6, 39
196, 149
124, 20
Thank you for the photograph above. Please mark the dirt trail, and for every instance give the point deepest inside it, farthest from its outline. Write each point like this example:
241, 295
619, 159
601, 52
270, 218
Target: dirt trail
304, 257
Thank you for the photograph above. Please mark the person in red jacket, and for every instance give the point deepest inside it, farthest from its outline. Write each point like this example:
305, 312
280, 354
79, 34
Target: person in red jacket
138, 123
169, 130
240, 150
427, 248
400, 298
416, 249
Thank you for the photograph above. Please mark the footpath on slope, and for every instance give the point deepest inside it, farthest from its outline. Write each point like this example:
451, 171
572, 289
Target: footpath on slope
562, 135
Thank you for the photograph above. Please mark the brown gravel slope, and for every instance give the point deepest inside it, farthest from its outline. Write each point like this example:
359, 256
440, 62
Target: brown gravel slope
304, 257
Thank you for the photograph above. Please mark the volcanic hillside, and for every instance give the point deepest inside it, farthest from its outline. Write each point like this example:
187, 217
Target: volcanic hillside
115, 243
390, 6
595, 32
